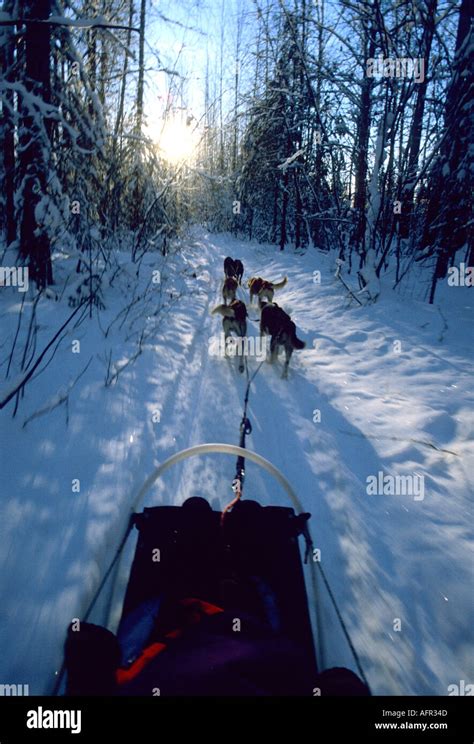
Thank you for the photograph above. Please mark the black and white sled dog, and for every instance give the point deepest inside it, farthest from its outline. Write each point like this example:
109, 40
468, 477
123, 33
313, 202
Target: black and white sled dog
233, 268
229, 267
234, 320
277, 324
239, 270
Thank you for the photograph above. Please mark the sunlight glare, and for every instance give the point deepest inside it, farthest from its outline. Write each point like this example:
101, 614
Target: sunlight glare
175, 137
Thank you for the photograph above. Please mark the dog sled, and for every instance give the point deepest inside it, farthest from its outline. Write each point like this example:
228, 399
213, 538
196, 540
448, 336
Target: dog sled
216, 602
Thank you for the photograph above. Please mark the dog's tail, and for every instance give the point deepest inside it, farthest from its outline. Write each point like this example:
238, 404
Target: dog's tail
225, 310
297, 342
279, 285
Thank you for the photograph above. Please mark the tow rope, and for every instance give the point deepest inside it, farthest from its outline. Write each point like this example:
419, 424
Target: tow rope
244, 429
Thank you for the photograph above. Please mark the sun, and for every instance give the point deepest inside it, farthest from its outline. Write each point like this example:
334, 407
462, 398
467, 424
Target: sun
175, 136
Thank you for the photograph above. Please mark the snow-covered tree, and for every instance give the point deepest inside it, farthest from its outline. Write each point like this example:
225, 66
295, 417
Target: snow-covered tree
449, 218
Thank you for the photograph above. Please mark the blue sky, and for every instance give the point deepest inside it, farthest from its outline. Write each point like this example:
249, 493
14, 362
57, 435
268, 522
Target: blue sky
185, 45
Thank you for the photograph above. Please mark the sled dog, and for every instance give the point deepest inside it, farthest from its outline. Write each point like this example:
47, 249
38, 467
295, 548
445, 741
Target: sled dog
234, 320
277, 324
263, 289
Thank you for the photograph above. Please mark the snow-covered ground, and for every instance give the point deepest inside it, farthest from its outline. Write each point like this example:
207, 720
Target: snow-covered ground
384, 389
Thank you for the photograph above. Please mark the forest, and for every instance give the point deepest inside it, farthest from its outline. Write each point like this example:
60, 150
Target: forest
341, 125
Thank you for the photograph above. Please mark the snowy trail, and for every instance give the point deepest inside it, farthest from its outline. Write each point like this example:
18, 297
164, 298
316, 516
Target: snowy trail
380, 410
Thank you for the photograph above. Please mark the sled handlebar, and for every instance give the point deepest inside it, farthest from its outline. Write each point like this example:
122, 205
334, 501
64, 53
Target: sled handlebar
225, 449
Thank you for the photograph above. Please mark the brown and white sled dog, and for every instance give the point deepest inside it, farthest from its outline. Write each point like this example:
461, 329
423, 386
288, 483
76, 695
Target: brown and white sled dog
263, 289
278, 324
234, 320
229, 289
